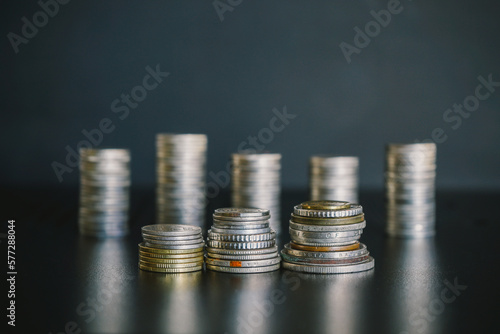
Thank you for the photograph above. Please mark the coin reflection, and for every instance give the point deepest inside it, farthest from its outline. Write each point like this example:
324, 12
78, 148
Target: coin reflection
249, 309
173, 302
415, 284
102, 264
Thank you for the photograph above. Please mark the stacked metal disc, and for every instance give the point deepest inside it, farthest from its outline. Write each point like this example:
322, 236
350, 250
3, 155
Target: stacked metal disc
241, 241
256, 183
104, 192
169, 248
410, 189
180, 192
324, 239
333, 178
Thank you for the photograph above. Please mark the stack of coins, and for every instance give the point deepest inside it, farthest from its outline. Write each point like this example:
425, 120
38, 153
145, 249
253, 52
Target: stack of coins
241, 241
168, 248
180, 192
410, 193
325, 238
333, 178
104, 192
256, 183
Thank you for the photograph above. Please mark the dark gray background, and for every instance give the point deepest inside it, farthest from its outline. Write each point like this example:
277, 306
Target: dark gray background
226, 77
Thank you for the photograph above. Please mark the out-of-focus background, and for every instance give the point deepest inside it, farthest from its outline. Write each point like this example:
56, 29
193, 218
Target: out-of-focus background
354, 75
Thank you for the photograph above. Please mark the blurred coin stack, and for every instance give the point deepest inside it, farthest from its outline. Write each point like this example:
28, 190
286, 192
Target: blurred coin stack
169, 248
256, 183
324, 239
104, 192
333, 178
410, 192
180, 192
241, 241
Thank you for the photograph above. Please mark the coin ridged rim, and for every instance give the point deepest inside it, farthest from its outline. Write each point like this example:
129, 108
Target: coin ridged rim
327, 221
256, 251
362, 250
339, 269
173, 242
242, 257
149, 249
241, 220
241, 245
355, 209
170, 261
173, 246
326, 228
171, 265
242, 263
171, 270
241, 237
241, 230
250, 270
353, 246
322, 243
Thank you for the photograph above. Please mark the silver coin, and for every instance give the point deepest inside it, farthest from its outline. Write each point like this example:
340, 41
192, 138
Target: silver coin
321, 243
242, 257
241, 237
272, 249
362, 251
327, 228
355, 209
173, 242
337, 269
190, 246
225, 230
240, 245
241, 213
242, 263
170, 229
235, 270
326, 236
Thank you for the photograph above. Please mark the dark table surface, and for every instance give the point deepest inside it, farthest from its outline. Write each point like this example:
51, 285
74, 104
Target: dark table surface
66, 283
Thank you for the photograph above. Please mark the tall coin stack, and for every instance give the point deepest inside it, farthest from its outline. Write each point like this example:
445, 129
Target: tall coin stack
333, 178
104, 192
241, 241
180, 192
410, 189
325, 238
168, 248
256, 183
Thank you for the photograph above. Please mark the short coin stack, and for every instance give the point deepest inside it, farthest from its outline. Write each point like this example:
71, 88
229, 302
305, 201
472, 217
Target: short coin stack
256, 183
180, 192
104, 192
241, 241
325, 238
333, 178
169, 248
410, 194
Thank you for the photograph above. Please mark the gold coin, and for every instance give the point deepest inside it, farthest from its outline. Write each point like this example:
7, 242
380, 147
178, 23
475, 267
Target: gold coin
328, 221
325, 248
325, 205
170, 256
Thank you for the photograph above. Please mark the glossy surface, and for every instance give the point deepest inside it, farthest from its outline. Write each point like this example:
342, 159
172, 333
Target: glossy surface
65, 278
